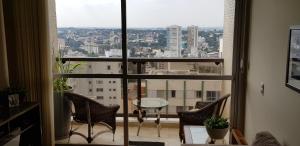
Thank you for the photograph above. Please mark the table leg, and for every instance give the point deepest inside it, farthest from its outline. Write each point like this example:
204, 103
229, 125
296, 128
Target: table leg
212, 141
140, 119
140, 125
158, 122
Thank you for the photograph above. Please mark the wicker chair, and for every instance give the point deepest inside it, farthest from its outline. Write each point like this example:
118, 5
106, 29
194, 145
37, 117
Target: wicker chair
91, 112
201, 104
202, 111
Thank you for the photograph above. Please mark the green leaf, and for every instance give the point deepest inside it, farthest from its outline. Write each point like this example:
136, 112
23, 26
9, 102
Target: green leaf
60, 83
216, 123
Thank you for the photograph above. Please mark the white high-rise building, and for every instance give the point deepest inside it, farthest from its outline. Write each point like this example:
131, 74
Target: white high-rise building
192, 42
220, 47
174, 40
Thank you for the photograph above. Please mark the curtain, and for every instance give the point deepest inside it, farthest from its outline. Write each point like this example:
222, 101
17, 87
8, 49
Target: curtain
3, 59
29, 56
46, 72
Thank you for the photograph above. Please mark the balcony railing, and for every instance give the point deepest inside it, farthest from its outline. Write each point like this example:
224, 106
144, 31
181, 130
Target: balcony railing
138, 76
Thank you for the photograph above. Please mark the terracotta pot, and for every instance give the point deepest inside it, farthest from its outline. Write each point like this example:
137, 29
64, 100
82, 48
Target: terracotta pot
217, 133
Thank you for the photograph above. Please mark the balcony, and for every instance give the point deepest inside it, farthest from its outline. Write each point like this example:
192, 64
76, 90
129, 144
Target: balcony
180, 81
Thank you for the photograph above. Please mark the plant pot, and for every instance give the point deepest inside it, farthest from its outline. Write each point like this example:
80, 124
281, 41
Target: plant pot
217, 133
62, 116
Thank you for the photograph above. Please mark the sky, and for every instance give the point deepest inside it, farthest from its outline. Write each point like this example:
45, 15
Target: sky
140, 13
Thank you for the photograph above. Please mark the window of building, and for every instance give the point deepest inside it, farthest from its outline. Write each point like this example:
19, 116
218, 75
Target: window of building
160, 93
100, 97
173, 93
110, 97
90, 66
199, 94
108, 67
212, 95
99, 82
114, 81
109, 81
90, 90
90, 82
109, 89
211, 98
115, 97
99, 89
114, 89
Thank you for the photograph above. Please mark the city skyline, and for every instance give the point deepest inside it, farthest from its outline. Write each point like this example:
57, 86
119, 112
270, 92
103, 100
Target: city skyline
169, 42
160, 13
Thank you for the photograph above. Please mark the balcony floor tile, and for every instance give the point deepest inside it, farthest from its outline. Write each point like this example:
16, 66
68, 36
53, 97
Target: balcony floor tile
169, 135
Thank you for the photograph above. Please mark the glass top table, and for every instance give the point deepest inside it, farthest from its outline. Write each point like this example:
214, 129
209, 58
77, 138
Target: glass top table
149, 103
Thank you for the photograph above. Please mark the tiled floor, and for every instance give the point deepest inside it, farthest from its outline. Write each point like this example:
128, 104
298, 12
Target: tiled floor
169, 135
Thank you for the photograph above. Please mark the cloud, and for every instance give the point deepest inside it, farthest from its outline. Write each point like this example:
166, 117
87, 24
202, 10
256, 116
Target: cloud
140, 13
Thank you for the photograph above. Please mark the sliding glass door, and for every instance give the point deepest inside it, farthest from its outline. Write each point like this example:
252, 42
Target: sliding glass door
153, 58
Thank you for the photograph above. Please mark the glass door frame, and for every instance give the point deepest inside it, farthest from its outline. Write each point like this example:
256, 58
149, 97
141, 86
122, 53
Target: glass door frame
237, 77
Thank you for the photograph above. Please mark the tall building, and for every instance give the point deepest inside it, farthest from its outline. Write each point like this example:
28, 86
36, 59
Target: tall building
220, 47
180, 93
106, 91
174, 40
192, 42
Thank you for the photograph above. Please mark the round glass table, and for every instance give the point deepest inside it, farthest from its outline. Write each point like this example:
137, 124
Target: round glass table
149, 103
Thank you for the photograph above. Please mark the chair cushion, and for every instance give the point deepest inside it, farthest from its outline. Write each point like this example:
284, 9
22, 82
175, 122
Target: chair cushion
265, 139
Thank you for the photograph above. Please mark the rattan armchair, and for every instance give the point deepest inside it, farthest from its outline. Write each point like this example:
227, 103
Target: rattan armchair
202, 111
91, 112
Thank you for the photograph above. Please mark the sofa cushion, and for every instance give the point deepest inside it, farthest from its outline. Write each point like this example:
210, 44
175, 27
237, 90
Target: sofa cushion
265, 139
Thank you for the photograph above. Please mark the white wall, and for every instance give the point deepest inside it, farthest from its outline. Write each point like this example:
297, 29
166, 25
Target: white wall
278, 111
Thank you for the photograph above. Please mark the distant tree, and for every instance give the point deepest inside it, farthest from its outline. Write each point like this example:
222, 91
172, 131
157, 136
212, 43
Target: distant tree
212, 39
73, 44
92, 55
79, 50
162, 40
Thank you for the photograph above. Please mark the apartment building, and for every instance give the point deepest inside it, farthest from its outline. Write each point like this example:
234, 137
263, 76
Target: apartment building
192, 40
106, 91
184, 93
174, 35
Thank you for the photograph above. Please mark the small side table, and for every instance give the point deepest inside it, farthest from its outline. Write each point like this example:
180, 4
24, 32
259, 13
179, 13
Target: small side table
149, 103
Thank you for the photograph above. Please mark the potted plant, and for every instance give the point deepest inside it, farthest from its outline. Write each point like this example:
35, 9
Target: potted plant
216, 127
62, 106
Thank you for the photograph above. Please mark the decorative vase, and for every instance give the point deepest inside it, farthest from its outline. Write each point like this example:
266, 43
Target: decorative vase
62, 115
217, 133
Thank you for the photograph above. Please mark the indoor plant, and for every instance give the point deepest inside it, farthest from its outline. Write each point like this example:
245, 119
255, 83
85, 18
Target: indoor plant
216, 127
61, 83
62, 106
